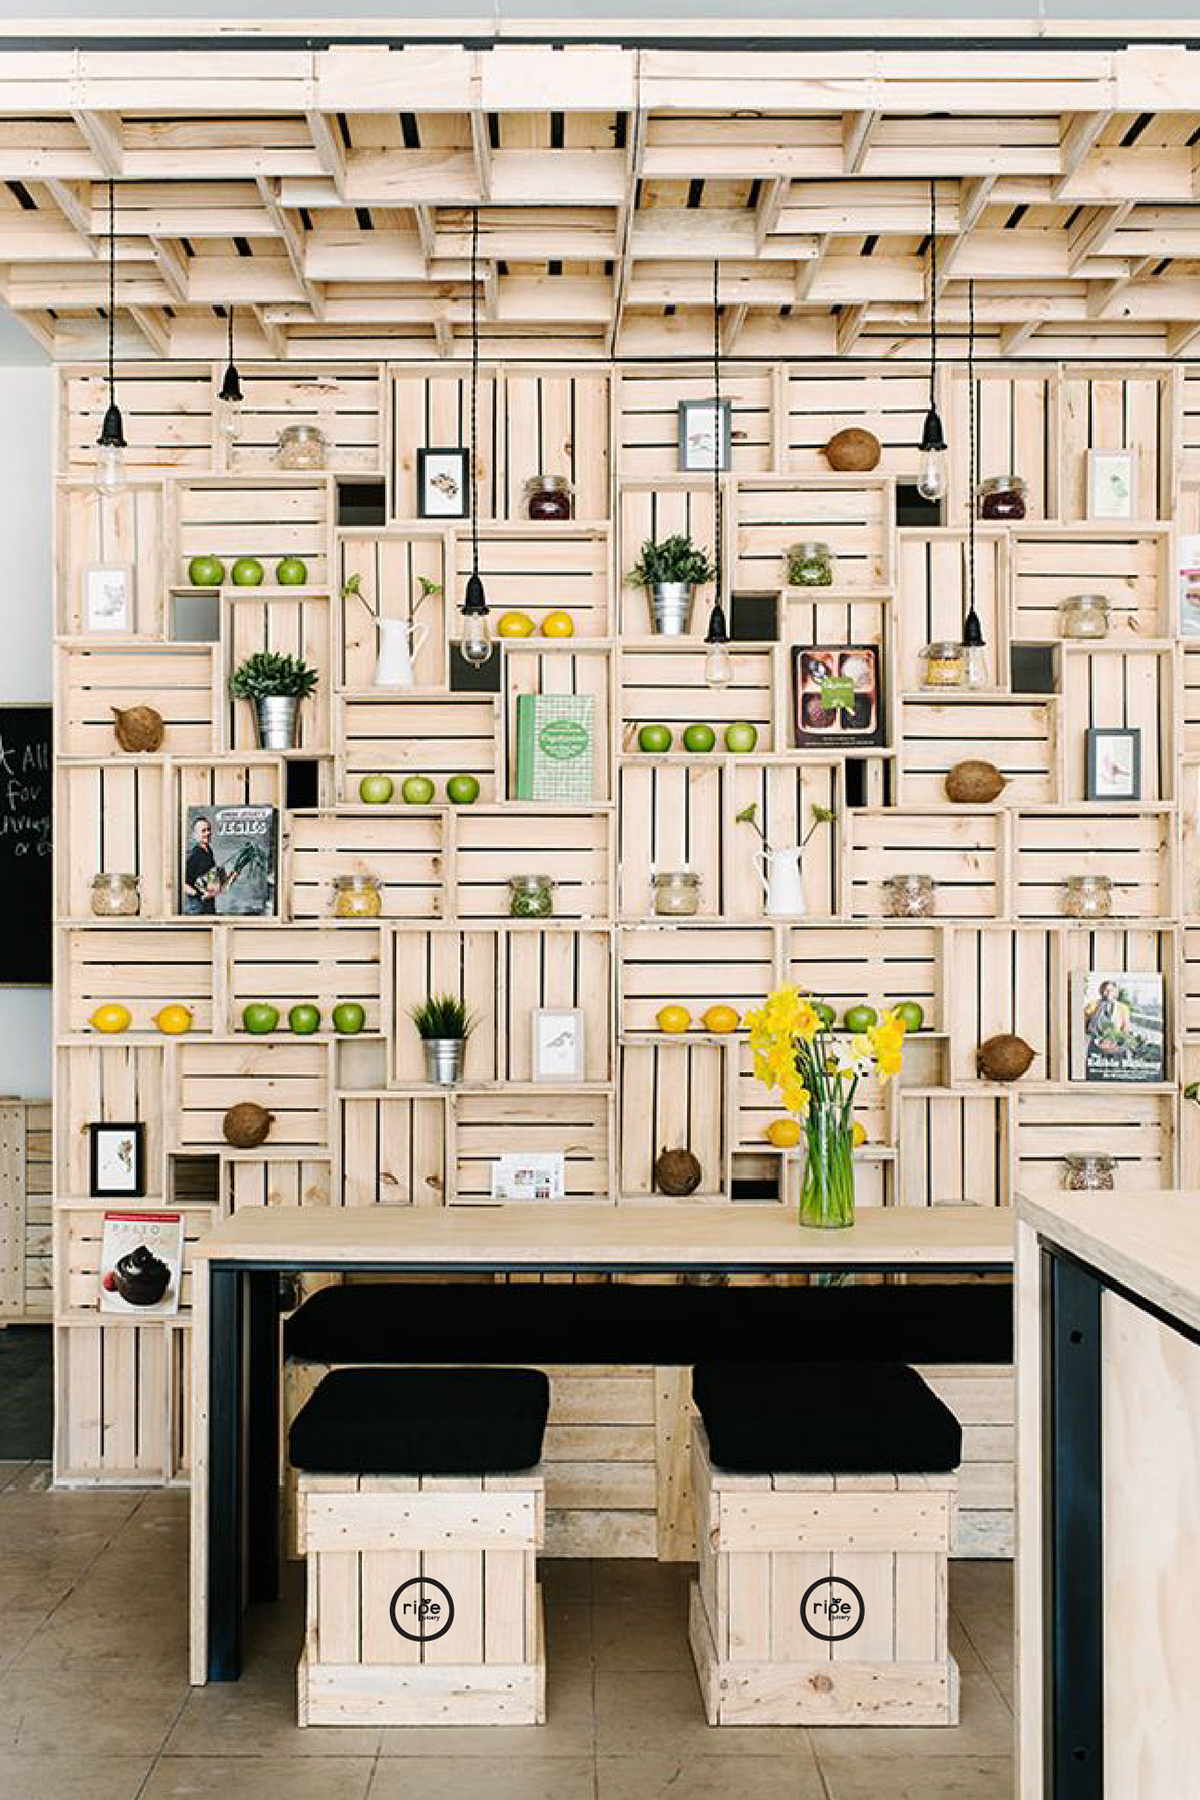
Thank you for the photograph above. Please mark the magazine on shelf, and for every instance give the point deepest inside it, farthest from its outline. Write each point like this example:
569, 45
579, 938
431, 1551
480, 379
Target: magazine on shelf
1118, 1027
229, 861
141, 1263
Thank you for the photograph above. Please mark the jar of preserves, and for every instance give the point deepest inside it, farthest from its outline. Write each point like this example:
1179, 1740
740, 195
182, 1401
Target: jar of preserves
530, 896
1084, 616
909, 896
1091, 1171
1001, 497
676, 893
809, 564
115, 896
548, 497
301, 447
357, 897
1088, 897
944, 665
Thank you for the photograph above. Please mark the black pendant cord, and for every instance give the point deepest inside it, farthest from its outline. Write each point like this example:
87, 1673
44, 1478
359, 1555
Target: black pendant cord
718, 625
933, 296
474, 385
112, 294
972, 629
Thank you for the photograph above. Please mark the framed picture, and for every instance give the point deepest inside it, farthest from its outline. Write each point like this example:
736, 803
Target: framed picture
558, 1043
107, 597
141, 1262
705, 445
117, 1161
838, 694
443, 484
1114, 764
1188, 577
1110, 484
539, 1175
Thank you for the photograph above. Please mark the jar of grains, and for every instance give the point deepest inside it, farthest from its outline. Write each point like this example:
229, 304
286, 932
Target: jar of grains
944, 665
115, 896
300, 447
530, 896
909, 896
1089, 1171
1088, 897
357, 897
809, 564
676, 893
1084, 616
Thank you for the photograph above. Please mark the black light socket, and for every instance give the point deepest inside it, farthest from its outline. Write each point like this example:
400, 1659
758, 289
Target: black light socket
112, 432
972, 630
933, 437
718, 625
474, 600
231, 386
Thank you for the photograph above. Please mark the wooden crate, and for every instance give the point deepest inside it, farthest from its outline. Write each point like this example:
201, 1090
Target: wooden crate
113, 816
390, 566
692, 965
851, 513
292, 622
79, 1234
571, 844
166, 408
1132, 568
176, 680
953, 1147
363, 1538
842, 964
933, 592
287, 1076
142, 966
108, 1080
111, 530
1018, 415
652, 511
112, 1403
1117, 688
277, 1181
318, 963
1134, 846
345, 403
267, 516
1108, 409
252, 780
965, 853
564, 670
485, 1126
820, 401
1018, 736
647, 416
982, 1397
664, 684
674, 1097
1002, 980
404, 850
539, 568
25, 1189
1137, 1129
391, 1150
425, 734
764, 1540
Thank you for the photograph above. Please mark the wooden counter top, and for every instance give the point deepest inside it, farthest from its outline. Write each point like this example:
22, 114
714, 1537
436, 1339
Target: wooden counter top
573, 1236
1148, 1242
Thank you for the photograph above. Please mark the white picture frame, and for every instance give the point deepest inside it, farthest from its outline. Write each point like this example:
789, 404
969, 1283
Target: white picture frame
705, 439
558, 1043
106, 598
533, 1176
1111, 475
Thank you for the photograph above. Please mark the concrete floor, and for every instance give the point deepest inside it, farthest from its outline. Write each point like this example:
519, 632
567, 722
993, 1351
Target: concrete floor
94, 1701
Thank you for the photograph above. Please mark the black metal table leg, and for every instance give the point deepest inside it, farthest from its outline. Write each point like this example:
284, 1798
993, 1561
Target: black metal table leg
262, 1436
225, 1360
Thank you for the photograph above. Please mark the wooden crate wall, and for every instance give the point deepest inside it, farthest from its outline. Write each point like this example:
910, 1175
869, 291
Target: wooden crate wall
26, 1179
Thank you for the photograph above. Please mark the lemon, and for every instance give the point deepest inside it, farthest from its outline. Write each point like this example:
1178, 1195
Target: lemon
173, 1020
514, 625
674, 1018
112, 1016
783, 1133
858, 1134
720, 1019
558, 625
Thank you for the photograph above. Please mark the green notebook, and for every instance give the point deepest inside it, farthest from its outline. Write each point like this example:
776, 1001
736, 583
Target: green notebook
555, 735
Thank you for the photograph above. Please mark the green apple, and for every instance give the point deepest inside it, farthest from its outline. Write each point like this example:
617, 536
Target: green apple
291, 571
260, 1017
657, 739
376, 790
417, 790
348, 1017
859, 1018
247, 571
825, 1013
911, 1014
462, 790
304, 1019
741, 736
699, 738
206, 571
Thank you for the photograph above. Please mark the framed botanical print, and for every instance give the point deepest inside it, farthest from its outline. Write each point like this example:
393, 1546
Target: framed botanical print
1110, 484
1114, 764
705, 440
116, 1160
443, 483
107, 599
558, 1043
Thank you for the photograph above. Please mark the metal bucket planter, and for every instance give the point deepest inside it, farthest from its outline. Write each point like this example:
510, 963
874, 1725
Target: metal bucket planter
443, 1060
671, 607
276, 718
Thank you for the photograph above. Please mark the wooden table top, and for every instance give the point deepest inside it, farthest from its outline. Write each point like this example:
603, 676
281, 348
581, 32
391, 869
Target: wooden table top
674, 1236
1148, 1242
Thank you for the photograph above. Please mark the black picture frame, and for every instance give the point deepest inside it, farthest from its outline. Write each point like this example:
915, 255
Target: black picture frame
689, 462
1097, 737
136, 1187
427, 471
817, 726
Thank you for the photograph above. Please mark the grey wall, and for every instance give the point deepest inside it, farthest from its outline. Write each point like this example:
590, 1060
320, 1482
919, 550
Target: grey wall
392, 13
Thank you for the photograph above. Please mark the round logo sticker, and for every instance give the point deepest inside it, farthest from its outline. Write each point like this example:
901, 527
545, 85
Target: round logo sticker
422, 1610
832, 1609
563, 739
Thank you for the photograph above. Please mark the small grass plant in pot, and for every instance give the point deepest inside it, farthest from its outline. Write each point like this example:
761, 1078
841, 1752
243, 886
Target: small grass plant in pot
443, 1025
275, 685
671, 572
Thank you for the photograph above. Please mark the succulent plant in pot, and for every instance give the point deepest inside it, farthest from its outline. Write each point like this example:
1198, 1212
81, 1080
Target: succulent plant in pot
671, 572
443, 1025
275, 684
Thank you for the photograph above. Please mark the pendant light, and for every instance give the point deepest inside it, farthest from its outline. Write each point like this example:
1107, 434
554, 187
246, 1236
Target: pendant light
111, 468
931, 481
476, 644
231, 386
718, 665
972, 637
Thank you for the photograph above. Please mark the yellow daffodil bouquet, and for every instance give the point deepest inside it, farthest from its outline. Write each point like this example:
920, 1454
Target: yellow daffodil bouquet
816, 1072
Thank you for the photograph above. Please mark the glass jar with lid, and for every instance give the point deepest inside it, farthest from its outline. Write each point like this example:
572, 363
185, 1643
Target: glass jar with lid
530, 896
1089, 1171
676, 893
548, 497
301, 447
115, 896
1088, 897
809, 564
909, 896
1085, 616
944, 665
357, 897
1001, 498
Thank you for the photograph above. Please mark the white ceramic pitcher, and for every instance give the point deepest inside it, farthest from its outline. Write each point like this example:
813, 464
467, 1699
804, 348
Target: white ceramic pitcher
399, 642
783, 882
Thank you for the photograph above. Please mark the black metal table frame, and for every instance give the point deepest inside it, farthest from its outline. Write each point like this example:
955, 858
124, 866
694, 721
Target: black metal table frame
242, 1511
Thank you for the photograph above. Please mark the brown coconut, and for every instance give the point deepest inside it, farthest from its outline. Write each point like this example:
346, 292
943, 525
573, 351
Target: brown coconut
246, 1125
677, 1172
138, 728
853, 451
974, 783
1004, 1057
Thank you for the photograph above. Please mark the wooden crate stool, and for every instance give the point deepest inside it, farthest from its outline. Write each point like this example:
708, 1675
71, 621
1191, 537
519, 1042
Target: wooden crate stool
421, 1514
822, 1590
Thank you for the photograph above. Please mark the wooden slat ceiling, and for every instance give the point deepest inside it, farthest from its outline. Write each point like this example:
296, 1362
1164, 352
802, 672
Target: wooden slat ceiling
327, 194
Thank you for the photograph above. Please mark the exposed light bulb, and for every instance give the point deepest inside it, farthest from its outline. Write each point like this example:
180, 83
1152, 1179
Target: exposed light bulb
718, 666
931, 479
476, 644
110, 469
230, 418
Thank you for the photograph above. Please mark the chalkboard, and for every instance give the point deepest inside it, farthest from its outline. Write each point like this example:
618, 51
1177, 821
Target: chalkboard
26, 785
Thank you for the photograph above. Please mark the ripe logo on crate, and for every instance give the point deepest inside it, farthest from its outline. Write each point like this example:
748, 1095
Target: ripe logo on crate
832, 1609
422, 1610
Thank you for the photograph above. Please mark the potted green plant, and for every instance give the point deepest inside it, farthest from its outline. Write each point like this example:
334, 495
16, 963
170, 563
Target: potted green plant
671, 572
443, 1025
275, 684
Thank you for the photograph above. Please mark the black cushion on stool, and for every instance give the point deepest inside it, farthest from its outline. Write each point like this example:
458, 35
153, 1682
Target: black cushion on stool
853, 1418
422, 1422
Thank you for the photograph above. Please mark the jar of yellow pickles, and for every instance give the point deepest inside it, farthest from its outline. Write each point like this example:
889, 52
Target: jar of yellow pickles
357, 897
